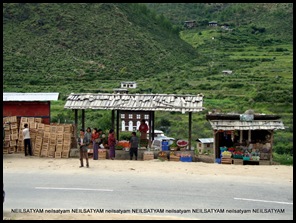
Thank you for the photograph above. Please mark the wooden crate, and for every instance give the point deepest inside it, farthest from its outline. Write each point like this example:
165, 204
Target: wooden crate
102, 154
6, 144
12, 143
14, 131
58, 155
264, 162
46, 128
51, 153
53, 128
31, 119
65, 154
174, 158
14, 136
237, 161
226, 160
44, 153
46, 134
68, 128
6, 127
24, 120
38, 120
59, 147
37, 152
148, 156
13, 126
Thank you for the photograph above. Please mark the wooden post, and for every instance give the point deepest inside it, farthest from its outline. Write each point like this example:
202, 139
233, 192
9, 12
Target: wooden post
215, 146
82, 119
241, 136
112, 119
189, 129
271, 145
117, 124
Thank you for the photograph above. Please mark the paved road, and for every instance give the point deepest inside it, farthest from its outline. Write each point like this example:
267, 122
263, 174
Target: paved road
164, 194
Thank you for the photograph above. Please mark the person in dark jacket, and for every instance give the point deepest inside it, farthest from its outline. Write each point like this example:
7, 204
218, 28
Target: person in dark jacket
83, 142
134, 142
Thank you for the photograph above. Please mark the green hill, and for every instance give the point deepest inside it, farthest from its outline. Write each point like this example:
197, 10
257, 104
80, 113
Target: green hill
48, 44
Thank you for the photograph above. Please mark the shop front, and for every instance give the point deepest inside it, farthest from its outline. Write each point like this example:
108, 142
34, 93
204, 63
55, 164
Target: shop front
244, 138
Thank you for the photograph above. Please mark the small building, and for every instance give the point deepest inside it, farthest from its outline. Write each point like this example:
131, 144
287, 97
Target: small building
213, 23
128, 84
205, 145
227, 72
35, 105
190, 24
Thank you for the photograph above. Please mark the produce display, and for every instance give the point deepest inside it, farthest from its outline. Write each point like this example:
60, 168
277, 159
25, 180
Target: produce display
122, 145
182, 143
226, 154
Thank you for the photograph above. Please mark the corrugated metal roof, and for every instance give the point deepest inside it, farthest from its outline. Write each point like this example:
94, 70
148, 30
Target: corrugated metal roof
205, 140
13, 96
246, 125
136, 102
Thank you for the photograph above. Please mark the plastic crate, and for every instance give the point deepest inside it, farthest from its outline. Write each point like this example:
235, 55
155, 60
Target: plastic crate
218, 160
237, 156
246, 158
186, 159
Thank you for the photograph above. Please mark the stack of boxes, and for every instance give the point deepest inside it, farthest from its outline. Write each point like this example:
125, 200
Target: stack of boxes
54, 140
10, 128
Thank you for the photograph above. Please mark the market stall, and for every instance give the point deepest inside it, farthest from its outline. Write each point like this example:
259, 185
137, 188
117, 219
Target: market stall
244, 138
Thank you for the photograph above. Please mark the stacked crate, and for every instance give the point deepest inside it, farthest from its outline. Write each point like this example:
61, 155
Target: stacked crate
45, 130
6, 146
60, 140
11, 134
54, 140
66, 144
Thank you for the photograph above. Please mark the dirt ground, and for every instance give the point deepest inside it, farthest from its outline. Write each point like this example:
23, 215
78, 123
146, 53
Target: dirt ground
17, 162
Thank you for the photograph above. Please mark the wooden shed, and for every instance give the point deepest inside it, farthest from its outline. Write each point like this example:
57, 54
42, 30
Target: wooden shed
252, 132
204, 145
28, 105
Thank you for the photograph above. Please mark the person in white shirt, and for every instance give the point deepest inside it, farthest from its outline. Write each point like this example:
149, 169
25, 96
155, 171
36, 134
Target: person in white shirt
27, 140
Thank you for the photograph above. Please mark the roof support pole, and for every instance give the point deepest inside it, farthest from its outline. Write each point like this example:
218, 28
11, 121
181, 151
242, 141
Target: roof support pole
215, 136
271, 146
75, 123
83, 119
112, 119
241, 136
189, 129
117, 124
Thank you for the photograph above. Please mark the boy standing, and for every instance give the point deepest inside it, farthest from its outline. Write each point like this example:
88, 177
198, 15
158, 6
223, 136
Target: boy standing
27, 140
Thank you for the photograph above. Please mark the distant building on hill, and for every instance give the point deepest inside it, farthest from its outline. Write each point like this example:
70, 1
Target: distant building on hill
128, 84
227, 72
213, 23
190, 24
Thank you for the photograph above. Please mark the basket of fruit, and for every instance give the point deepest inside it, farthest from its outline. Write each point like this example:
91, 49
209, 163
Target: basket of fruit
182, 143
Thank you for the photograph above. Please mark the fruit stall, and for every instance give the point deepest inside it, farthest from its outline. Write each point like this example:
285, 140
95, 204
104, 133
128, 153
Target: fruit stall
245, 139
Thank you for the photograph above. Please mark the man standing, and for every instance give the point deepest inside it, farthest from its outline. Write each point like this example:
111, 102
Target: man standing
134, 142
84, 141
27, 140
